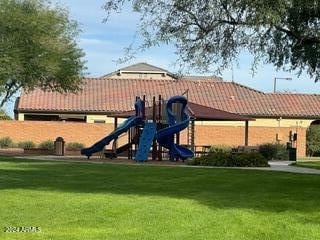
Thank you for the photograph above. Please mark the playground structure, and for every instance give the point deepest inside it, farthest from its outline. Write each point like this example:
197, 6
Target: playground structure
154, 129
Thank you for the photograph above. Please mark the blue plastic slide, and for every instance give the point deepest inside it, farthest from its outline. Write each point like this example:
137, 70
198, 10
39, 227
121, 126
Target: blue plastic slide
125, 126
145, 141
165, 137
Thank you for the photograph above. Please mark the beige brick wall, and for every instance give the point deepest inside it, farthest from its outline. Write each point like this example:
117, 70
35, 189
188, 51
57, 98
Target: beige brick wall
89, 133
234, 136
38, 131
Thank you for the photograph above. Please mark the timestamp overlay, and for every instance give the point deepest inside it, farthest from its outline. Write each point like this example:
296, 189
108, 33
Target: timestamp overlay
21, 229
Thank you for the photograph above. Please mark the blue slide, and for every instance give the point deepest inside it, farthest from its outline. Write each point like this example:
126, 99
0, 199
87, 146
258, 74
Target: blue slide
165, 137
145, 141
125, 126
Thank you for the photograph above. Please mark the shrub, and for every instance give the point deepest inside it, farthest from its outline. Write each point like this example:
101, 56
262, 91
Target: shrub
250, 159
6, 142
213, 159
223, 159
220, 148
282, 152
313, 140
74, 146
26, 144
49, 145
274, 151
268, 150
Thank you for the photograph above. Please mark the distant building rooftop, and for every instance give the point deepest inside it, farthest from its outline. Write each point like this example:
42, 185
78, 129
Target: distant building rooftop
140, 68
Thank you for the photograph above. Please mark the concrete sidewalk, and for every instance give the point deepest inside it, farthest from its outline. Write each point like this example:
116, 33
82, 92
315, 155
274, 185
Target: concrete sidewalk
285, 166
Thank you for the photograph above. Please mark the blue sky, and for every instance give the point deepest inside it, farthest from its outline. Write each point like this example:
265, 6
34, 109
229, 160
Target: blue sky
104, 43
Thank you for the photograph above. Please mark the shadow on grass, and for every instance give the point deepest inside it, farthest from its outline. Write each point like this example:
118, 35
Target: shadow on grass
217, 188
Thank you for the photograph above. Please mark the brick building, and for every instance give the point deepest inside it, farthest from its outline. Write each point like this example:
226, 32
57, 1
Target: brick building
275, 114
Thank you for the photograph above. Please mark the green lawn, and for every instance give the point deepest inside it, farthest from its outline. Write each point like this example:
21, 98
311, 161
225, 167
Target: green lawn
307, 164
104, 201
309, 159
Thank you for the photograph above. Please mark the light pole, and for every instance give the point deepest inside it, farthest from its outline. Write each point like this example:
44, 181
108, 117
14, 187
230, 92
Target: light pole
275, 82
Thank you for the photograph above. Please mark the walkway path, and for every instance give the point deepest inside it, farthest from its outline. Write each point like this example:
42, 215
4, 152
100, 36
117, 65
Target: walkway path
280, 166
285, 167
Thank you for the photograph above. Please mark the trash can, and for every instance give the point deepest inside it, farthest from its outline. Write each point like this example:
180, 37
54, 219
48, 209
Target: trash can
59, 146
292, 154
289, 145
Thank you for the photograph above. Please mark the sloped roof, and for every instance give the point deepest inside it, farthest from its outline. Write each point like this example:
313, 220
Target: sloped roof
141, 68
202, 78
107, 95
196, 111
148, 68
201, 112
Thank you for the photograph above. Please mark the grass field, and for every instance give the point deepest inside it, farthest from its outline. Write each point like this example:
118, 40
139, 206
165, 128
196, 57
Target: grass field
315, 164
104, 201
309, 159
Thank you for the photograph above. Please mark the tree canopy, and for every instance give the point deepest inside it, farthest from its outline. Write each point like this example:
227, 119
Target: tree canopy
37, 48
285, 33
4, 115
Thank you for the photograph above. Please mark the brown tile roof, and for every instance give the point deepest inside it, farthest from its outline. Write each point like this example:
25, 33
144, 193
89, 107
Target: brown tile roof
207, 113
196, 111
115, 95
201, 78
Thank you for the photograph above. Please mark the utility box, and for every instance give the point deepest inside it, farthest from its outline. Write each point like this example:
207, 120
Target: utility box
292, 154
59, 145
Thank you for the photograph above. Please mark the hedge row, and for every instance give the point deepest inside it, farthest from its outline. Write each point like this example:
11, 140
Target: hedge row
6, 142
271, 151
228, 159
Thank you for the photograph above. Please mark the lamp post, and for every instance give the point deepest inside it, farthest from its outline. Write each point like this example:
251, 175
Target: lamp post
275, 82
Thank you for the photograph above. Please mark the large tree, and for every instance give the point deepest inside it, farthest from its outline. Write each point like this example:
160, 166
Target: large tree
285, 33
37, 48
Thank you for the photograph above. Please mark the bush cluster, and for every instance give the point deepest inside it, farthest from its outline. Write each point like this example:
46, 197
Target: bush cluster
274, 151
313, 140
220, 148
26, 144
48, 144
74, 146
6, 142
227, 159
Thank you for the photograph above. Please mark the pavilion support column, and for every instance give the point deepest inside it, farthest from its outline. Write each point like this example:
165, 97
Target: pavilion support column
115, 127
193, 136
115, 123
246, 133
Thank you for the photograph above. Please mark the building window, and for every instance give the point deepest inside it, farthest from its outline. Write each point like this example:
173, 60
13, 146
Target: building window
39, 117
99, 121
73, 119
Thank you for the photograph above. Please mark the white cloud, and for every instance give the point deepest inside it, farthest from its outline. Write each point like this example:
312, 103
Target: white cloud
97, 43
